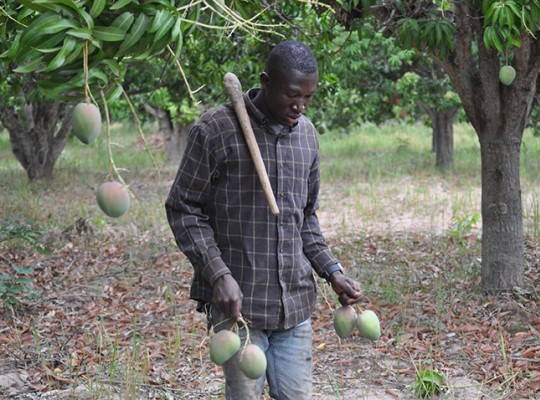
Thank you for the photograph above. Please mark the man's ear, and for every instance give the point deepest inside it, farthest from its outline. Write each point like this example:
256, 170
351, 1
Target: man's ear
265, 80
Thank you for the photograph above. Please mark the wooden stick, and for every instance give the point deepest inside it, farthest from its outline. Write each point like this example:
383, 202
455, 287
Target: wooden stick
234, 89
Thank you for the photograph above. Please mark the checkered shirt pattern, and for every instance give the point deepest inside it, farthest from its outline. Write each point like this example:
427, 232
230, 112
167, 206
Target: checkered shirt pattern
221, 220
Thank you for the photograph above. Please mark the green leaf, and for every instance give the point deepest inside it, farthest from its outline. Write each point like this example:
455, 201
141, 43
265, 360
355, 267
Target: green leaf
31, 66
177, 29
98, 74
59, 26
97, 8
74, 54
137, 31
87, 18
45, 6
14, 48
492, 39
81, 33
151, 4
51, 43
49, 50
60, 58
108, 33
164, 29
68, 3
159, 20
114, 93
177, 33
514, 8
33, 33
144, 55
431, 376
488, 15
123, 21
487, 37
120, 4
34, 6
56, 90
115, 67
366, 8
486, 5
515, 41
438, 35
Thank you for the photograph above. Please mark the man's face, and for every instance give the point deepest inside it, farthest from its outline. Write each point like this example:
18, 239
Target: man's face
288, 94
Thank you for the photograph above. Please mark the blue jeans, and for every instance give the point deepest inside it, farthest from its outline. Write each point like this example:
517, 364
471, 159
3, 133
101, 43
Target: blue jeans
289, 369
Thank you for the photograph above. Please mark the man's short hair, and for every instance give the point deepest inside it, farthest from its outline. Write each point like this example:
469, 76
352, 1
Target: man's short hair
291, 54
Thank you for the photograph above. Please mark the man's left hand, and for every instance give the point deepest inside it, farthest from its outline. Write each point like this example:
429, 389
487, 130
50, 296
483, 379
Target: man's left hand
347, 289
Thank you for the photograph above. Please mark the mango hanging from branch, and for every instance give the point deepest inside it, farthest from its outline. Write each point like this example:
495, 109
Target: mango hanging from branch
507, 75
86, 122
113, 199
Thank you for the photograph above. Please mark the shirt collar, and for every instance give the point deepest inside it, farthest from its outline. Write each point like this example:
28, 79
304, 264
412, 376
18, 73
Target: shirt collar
259, 115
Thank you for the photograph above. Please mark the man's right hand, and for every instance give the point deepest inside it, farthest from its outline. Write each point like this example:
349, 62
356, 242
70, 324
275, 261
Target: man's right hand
228, 296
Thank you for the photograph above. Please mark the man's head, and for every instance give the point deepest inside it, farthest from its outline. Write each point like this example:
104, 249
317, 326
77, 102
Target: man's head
288, 82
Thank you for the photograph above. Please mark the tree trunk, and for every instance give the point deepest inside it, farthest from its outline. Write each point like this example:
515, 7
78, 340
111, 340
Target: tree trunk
179, 144
36, 140
443, 135
499, 115
502, 230
174, 135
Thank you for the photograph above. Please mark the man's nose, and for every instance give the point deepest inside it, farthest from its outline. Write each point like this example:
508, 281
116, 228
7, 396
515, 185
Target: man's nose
299, 107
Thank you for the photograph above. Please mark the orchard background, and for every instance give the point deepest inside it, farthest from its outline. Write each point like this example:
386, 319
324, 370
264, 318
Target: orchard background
430, 191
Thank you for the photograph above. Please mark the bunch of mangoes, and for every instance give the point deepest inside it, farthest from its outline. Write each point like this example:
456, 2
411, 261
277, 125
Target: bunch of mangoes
251, 359
346, 320
112, 197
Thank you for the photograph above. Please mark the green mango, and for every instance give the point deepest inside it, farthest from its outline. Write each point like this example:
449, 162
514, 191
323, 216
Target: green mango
344, 321
252, 361
368, 325
507, 75
86, 122
113, 199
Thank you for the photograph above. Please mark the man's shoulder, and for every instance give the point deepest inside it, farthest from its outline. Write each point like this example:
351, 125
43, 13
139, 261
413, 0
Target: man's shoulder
223, 114
217, 124
306, 126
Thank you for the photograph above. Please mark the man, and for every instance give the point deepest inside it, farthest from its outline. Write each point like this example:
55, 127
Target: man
247, 262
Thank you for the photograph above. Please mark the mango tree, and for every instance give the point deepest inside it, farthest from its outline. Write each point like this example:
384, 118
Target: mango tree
59, 51
208, 57
381, 81
427, 86
472, 41
160, 90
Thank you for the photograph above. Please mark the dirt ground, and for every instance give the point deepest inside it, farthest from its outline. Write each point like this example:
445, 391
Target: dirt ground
79, 342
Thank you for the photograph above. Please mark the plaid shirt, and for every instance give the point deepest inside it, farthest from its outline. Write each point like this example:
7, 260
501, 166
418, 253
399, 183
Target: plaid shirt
221, 220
